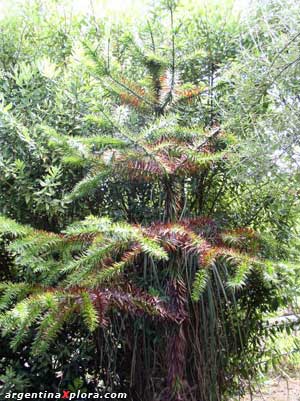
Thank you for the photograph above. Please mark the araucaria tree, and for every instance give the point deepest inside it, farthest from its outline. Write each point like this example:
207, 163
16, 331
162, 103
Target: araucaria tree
149, 287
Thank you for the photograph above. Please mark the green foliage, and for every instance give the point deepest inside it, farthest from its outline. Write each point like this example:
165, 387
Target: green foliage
12, 381
96, 271
89, 312
8, 226
148, 191
199, 284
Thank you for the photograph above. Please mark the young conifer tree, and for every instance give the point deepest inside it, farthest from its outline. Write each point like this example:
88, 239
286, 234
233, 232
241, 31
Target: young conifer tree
172, 293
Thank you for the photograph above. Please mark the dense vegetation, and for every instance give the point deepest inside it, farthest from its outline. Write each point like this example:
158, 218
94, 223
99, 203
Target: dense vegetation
148, 195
